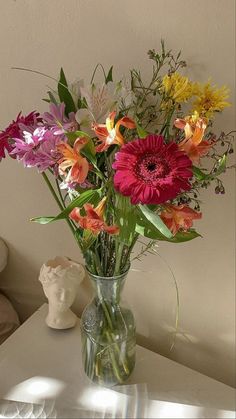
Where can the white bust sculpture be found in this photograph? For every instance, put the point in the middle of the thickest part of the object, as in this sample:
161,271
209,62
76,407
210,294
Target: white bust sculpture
60,279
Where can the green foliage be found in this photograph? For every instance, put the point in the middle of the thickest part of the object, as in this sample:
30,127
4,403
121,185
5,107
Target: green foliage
109,76
91,196
64,94
89,152
219,168
146,229
141,132
154,220
125,217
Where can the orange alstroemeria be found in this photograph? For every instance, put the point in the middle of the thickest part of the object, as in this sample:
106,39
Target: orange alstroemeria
195,152
193,144
72,159
93,220
179,217
109,133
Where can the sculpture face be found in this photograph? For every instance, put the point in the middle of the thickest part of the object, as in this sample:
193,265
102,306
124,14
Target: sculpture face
60,278
61,294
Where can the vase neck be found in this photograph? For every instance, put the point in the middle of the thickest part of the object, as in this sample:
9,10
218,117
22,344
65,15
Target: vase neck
108,288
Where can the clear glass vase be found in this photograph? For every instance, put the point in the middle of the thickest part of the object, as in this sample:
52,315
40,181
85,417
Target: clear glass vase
108,333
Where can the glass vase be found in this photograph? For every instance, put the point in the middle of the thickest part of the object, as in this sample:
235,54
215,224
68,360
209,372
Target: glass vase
108,333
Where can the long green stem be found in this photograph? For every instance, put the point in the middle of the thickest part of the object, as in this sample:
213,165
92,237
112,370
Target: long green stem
57,199
119,253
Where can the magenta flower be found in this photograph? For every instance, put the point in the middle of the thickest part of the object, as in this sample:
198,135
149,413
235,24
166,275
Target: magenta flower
15,130
57,121
150,171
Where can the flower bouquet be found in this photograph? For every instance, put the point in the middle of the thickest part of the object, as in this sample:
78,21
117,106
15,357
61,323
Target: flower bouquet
123,159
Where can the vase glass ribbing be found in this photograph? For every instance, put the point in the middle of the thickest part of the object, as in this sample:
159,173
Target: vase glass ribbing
108,333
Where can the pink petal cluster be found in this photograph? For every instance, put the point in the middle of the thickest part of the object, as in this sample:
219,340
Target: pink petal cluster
57,121
150,171
37,149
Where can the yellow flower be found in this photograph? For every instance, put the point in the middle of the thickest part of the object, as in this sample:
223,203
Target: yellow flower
177,87
210,99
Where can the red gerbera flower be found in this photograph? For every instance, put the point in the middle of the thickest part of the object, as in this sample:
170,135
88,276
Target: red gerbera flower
150,171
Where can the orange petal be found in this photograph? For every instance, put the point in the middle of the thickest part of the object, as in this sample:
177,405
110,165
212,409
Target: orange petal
111,229
127,122
91,212
75,215
100,131
79,144
199,131
79,170
66,150
180,123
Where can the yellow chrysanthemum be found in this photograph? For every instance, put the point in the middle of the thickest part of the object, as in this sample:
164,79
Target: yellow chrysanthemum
210,99
177,87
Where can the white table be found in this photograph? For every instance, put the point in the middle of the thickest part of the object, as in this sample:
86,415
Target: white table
41,375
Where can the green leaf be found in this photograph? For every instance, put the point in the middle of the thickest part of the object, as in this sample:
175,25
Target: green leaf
199,174
152,233
89,148
155,220
141,132
88,239
125,218
73,136
109,76
88,153
184,236
64,94
92,196
52,98
220,168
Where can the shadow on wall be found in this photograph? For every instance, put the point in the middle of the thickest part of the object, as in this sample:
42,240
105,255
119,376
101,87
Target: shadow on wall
19,282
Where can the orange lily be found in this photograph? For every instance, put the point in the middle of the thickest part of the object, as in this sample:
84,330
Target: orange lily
195,152
193,144
179,217
93,220
109,133
72,159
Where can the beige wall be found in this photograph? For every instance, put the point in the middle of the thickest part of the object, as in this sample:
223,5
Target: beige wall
45,34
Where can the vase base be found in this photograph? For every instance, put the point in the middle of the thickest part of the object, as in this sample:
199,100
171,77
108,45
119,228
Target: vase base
111,364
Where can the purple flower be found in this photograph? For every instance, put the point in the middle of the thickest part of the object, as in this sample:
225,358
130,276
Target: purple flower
47,154
38,149
24,149
57,121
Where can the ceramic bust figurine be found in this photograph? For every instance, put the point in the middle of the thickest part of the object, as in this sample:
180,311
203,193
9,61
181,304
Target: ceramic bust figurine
60,279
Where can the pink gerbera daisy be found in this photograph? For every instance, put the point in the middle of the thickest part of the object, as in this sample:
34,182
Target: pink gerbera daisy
150,171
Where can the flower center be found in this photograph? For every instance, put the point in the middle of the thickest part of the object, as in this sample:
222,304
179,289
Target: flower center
151,168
